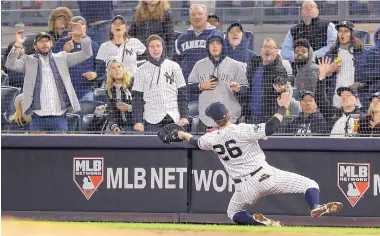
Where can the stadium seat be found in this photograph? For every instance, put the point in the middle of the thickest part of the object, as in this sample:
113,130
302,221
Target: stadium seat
194,124
249,36
193,109
100,94
86,121
8,95
88,107
73,121
363,35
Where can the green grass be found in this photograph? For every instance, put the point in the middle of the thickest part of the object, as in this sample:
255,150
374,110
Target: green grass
211,227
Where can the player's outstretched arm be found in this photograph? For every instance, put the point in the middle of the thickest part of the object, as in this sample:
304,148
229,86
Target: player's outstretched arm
274,123
189,138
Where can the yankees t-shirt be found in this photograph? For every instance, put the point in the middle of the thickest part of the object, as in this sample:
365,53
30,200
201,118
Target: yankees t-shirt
127,53
160,90
229,70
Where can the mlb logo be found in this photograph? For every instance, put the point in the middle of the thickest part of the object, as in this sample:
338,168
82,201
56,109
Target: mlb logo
353,180
88,174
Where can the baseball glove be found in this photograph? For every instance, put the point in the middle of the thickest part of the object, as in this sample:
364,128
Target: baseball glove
169,133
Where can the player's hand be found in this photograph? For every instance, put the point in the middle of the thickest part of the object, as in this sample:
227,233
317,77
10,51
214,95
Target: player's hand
76,30
122,106
139,127
68,47
235,86
324,67
116,131
90,75
208,84
181,135
283,100
19,41
184,122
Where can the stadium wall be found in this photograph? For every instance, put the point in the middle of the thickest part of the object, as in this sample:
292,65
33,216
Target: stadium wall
137,178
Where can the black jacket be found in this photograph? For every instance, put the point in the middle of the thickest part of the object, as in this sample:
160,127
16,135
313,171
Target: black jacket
269,95
314,123
114,116
143,29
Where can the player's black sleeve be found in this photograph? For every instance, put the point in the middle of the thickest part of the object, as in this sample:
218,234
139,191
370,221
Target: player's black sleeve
194,141
272,125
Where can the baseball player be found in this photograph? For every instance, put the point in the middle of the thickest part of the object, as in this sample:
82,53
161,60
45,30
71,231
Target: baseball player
238,149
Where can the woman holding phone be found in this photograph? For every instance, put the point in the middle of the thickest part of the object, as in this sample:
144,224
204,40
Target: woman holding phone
119,103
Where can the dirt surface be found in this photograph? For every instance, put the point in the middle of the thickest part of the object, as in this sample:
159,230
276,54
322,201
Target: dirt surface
16,228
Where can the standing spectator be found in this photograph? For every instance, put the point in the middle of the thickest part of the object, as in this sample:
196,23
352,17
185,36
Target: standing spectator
218,79
121,45
372,68
237,44
191,44
310,121
348,56
261,98
48,91
84,75
339,118
307,69
215,21
13,78
370,124
119,97
58,22
159,91
321,35
153,17
98,15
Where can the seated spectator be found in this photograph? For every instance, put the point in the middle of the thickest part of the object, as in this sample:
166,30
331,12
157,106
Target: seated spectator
261,98
372,70
310,121
217,78
320,34
13,78
237,44
159,91
22,121
348,56
191,44
97,15
58,23
339,118
122,46
84,75
214,20
119,103
307,70
370,124
153,17
48,91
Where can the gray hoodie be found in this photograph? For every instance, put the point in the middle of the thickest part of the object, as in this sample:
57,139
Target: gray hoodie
307,75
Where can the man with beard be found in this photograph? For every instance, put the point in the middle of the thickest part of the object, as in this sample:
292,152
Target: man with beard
217,78
307,70
48,91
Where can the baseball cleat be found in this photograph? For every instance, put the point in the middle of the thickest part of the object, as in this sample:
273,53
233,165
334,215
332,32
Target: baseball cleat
331,207
265,221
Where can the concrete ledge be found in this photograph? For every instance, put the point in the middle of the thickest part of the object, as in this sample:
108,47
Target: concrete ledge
187,218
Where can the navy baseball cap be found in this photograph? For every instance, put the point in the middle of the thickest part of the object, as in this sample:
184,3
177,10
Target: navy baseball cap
375,95
118,17
236,24
216,111
351,89
42,35
310,93
345,23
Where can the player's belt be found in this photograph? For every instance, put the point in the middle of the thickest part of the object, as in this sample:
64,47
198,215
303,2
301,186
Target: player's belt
251,174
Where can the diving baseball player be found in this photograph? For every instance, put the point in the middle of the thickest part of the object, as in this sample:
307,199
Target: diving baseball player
238,149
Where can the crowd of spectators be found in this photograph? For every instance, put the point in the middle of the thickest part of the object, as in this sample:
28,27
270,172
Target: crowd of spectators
149,76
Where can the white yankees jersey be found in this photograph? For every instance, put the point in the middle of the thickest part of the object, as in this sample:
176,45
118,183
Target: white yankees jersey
229,70
237,147
159,86
127,53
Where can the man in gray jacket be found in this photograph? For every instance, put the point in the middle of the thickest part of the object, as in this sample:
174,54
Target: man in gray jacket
307,70
48,91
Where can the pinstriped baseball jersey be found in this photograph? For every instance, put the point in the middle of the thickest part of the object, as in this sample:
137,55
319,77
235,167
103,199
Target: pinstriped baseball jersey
160,90
237,147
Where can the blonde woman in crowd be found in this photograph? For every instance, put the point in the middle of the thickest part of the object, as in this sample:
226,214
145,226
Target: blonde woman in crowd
119,106
121,46
153,17
370,124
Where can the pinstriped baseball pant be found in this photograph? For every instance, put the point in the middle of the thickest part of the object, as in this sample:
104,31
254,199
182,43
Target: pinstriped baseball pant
250,190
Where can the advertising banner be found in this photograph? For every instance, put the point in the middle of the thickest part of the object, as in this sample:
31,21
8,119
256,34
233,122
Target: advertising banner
94,180
349,177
